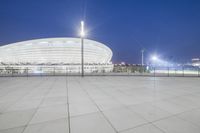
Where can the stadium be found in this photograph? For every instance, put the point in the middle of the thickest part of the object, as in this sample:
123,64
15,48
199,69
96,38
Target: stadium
60,54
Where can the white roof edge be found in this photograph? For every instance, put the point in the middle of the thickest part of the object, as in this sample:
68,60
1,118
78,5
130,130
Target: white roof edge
59,38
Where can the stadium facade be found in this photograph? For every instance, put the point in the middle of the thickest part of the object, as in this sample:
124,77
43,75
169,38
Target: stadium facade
62,54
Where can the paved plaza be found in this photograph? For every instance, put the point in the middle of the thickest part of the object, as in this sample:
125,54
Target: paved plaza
101,104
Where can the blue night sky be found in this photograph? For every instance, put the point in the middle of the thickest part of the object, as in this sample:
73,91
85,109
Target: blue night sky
170,28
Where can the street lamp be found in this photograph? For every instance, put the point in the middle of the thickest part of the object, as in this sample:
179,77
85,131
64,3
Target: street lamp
154,58
82,34
142,56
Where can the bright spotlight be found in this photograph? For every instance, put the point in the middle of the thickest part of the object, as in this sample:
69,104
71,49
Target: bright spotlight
154,58
82,29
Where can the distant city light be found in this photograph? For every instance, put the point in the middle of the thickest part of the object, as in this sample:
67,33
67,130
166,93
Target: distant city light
123,63
147,68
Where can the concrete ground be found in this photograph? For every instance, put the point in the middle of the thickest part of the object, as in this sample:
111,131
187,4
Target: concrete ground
104,104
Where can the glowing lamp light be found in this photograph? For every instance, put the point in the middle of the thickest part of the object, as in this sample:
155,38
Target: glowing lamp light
82,29
154,58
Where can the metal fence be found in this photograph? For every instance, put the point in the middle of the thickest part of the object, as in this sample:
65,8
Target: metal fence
181,71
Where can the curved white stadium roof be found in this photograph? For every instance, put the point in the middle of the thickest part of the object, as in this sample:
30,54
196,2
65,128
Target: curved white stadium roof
55,50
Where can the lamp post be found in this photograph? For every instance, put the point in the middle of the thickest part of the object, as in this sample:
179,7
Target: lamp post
82,48
142,57
154,59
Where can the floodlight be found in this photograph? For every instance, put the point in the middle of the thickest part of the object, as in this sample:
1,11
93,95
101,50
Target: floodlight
154,58
82,29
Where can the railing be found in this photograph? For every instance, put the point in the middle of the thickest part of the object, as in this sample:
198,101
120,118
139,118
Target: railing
120,71
176,72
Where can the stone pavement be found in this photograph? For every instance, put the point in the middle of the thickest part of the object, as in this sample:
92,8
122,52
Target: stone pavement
102,104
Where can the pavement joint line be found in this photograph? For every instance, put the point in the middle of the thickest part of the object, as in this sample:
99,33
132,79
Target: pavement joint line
34,124
47,121
98,107
158,127
68,110
12,128
193,123
139,126
15,87
84,114
87,90
125,106
36,86
50,88
173,115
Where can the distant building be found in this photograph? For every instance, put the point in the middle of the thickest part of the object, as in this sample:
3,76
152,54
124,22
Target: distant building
196,61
